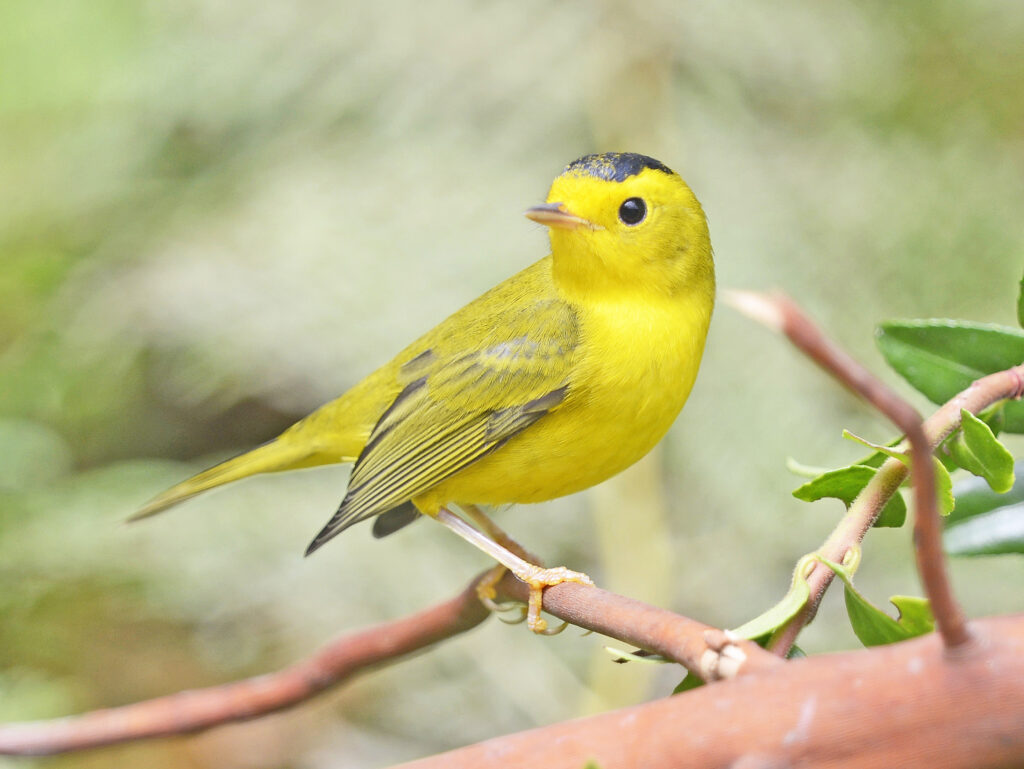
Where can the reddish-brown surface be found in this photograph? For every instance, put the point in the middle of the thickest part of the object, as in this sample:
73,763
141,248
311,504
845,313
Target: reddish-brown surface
953,699
191,711
656,629
906,705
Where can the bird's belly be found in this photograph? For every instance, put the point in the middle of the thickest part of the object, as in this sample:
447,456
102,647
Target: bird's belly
632,393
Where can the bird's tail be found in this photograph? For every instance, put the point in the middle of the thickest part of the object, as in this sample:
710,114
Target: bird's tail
271,457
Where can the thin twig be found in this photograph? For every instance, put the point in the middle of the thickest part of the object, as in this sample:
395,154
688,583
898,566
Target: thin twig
782,314
707,651
850,531
931,560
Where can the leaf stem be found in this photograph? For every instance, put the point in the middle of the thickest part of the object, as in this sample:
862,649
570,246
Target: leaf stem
782,314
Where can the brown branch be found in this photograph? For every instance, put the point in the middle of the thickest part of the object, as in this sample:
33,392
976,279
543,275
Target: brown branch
708,652
769,698
931,560
906,704
191,711
782,314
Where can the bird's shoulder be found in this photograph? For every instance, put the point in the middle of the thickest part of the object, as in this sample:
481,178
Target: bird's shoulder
487,373
521,327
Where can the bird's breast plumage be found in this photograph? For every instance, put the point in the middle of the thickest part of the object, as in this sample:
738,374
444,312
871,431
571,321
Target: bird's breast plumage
636,363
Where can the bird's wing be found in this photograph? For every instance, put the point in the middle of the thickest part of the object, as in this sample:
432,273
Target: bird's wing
458,406
386,524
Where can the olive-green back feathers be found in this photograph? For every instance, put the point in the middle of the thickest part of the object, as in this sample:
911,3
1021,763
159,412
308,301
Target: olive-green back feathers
460,406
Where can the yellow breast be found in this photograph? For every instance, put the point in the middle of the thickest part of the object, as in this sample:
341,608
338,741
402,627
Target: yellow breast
639,360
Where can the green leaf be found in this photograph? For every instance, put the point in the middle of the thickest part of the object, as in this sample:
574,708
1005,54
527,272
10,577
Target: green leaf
984,522
942,357
845,484
997,532
871,625
690,681
944,453
1020,304
978,451
944,484
974,497
915,614
877,458
804,471
784,610
995,417
621,656
943,488
888,450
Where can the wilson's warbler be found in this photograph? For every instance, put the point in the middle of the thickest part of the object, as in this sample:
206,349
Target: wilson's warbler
549,383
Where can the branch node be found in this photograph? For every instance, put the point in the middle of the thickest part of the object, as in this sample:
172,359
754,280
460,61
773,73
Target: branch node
931,564
723,658
1018,377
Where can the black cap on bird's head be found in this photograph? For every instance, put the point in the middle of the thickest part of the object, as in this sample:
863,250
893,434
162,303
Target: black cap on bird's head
619,220
614,166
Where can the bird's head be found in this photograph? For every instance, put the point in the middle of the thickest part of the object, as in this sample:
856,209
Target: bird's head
621,222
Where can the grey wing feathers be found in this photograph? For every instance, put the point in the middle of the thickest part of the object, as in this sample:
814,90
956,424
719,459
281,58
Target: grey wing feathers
419,441
394,519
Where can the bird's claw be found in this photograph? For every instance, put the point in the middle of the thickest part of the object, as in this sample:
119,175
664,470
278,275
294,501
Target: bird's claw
486,592
513,606
539,578
552,630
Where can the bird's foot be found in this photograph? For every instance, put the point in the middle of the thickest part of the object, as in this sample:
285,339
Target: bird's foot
536,577
539,578
486,592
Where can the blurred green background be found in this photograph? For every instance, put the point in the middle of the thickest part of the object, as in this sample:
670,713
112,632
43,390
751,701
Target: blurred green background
215,216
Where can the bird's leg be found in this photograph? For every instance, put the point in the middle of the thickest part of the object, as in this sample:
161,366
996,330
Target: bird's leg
495,532
535,576
486,588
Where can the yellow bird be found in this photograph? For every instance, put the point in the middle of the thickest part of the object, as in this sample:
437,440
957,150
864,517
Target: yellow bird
551,382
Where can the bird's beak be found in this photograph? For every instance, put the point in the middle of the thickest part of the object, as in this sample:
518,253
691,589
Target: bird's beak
557,215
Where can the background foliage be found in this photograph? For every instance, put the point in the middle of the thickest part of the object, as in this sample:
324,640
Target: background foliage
216,215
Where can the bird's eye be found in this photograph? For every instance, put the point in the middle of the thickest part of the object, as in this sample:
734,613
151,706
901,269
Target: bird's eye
633,211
